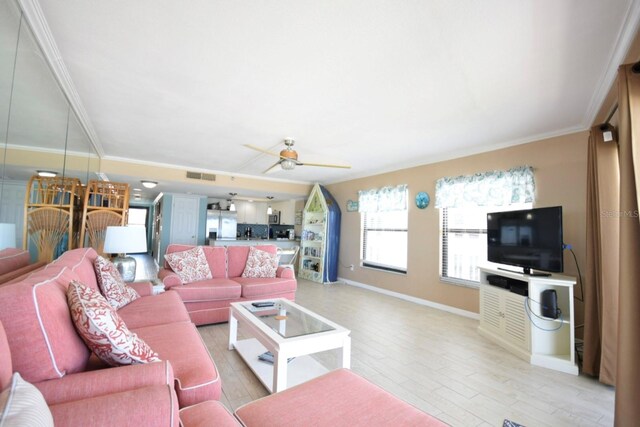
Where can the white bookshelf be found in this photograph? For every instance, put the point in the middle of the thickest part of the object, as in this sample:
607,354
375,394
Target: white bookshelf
516,323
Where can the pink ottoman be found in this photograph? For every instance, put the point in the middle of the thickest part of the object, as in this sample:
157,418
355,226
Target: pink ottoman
208,413
339,398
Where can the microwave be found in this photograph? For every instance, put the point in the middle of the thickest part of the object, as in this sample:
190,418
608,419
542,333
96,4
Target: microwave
274,219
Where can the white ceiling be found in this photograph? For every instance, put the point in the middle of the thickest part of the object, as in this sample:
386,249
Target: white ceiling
379,85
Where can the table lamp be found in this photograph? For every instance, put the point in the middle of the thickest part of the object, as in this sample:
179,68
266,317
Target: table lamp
124,240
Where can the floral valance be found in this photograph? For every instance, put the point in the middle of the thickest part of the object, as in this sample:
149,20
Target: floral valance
383,199
493,188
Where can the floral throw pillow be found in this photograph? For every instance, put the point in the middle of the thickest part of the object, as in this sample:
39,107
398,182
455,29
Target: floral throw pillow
102,329
190,265
111,284
260,264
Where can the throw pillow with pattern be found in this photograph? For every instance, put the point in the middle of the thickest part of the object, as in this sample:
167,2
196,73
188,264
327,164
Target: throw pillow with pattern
260,264
102,329
190,265
114,289
22,404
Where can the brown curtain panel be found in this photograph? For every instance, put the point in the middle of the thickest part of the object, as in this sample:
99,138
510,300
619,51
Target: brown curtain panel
628,370
601,278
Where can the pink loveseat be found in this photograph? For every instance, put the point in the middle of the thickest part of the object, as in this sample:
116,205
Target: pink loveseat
48,352
208,301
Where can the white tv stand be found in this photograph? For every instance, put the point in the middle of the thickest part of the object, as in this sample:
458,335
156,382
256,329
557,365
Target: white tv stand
503,319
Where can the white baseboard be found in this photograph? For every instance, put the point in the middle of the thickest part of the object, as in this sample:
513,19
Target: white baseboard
415,300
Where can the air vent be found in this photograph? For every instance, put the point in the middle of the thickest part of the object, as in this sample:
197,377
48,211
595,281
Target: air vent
201,176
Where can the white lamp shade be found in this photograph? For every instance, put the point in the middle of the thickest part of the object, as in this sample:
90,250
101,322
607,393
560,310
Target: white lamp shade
7,236
125,240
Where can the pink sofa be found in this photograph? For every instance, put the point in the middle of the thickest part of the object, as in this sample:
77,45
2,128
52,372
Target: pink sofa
208,301
15,263
130,395
48,352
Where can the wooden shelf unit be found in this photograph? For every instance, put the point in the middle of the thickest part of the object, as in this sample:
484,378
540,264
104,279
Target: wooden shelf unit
105,204
52,211
320,239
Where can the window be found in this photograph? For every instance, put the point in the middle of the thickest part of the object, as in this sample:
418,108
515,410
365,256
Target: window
138,216
384,240
463,241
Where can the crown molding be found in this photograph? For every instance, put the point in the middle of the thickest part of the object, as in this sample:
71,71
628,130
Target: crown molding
626,36
43,37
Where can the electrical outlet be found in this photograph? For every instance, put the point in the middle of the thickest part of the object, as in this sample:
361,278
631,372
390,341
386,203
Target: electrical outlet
351,267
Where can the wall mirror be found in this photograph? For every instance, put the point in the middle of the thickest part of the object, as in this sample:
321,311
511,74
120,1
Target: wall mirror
38,129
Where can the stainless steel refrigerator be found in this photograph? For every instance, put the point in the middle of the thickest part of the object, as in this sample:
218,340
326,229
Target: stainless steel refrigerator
221,225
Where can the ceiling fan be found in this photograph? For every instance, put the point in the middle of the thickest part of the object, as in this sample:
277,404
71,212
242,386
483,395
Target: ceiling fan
288,158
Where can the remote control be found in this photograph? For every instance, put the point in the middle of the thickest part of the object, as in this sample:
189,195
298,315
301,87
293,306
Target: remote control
263,304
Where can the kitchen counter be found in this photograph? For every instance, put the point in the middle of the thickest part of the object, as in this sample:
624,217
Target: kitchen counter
255,242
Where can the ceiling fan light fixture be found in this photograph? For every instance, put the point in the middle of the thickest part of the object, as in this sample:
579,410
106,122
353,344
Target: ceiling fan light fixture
149,184
288,164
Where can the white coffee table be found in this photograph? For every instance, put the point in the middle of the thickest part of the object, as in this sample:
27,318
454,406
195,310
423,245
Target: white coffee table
286,330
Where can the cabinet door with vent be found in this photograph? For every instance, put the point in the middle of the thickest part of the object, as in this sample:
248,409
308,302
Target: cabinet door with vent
517,328
503,313
491,313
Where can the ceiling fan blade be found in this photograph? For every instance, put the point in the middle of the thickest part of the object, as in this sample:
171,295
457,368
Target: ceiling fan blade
262,150
273,167
324,165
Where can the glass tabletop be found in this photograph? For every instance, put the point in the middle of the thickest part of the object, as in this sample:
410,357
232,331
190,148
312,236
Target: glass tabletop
287,320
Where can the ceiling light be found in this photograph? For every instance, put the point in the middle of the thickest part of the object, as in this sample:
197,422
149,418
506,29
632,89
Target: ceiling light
288,164
136,189
103,176
47,174
232,206
149,184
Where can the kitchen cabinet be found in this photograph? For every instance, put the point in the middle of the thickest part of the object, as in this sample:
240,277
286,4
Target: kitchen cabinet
251,212
261,213
287,209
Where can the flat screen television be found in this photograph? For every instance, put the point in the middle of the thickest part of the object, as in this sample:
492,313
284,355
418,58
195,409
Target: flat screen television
530,238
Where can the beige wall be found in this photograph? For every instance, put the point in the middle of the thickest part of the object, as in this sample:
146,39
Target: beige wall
560,168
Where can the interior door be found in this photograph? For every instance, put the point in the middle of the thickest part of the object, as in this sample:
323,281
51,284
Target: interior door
184,220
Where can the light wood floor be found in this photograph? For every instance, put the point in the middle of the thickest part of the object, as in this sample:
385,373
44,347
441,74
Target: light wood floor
433,360
429,358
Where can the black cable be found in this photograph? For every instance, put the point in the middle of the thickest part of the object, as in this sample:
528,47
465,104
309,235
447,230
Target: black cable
529,312
558,312
581,299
